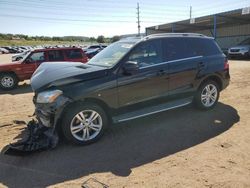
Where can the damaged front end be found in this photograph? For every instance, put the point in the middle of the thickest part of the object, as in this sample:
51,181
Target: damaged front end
42,132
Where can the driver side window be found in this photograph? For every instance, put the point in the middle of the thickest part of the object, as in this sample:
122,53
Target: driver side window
147,53
37,56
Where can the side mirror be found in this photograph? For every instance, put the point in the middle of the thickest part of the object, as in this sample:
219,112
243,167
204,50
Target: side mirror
130,67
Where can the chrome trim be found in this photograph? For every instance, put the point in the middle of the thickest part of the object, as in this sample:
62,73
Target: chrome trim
183,59
150,113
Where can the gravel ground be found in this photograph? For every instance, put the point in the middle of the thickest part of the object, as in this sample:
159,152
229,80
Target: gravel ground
178,148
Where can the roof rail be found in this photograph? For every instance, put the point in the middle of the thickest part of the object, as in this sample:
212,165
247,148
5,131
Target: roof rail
176,34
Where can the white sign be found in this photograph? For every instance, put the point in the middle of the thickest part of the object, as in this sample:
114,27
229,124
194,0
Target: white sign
245,10
192,20
157,27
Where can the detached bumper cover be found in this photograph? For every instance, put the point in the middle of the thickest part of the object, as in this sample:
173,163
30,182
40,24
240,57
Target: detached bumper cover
39,138
42,132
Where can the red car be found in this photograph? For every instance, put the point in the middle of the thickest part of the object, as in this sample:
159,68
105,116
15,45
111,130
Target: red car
12,73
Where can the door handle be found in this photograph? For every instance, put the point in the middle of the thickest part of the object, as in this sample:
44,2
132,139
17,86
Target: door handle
201,65
161,72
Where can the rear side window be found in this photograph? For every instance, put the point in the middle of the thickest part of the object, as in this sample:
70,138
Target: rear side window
179,48
176,48
147,53
74,54
204,47
55,55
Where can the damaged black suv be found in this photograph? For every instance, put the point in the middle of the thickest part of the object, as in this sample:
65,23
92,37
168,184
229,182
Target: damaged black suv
129,79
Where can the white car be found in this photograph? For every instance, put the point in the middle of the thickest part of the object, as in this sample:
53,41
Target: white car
3,51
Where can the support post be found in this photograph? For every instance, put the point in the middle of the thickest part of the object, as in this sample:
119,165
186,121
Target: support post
215,29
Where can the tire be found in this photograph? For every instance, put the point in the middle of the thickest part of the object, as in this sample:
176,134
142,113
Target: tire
8,81
210,93
76,131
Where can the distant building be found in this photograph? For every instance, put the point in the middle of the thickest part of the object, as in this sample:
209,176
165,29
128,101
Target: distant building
228,28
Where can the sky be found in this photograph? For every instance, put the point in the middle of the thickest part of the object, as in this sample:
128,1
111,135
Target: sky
92,18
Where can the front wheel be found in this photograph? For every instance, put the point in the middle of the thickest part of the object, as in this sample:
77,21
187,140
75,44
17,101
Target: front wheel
207,95
8,81
84,124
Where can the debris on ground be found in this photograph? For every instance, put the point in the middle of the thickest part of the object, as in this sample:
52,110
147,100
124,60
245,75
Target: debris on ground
39,138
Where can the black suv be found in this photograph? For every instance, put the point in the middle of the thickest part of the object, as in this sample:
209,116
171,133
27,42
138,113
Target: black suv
129,79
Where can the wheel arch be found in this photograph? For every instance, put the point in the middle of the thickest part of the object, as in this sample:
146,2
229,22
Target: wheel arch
10,72
99,102
215,78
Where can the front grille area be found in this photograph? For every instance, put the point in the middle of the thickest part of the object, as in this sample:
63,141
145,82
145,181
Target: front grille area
234,50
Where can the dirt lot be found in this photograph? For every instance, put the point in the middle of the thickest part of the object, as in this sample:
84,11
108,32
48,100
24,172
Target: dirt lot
179,148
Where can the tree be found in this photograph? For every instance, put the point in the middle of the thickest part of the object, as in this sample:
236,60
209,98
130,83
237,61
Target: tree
100,39
115,38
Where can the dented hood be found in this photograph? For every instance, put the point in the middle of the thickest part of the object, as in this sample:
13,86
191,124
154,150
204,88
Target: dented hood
60,73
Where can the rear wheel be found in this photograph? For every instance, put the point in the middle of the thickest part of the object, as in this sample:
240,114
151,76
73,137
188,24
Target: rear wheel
8,81
207,95
84,124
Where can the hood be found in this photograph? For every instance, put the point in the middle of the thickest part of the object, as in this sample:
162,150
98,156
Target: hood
240,46
61,73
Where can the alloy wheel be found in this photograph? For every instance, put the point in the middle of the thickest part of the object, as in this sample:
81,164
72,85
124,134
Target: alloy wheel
209,95
86,125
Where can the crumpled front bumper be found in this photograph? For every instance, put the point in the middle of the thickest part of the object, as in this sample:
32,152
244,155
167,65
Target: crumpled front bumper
42,132
48,114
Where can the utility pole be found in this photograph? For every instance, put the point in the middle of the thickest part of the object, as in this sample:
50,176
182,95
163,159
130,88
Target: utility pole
138,19
190,13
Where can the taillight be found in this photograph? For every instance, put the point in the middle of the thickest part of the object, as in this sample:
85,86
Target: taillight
226,64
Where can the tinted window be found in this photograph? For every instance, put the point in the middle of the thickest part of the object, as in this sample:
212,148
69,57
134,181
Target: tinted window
179,48
55,55
37,56
74,54
147,53
204,47
176,48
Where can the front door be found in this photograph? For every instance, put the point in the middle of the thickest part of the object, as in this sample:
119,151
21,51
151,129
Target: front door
150,81
31,63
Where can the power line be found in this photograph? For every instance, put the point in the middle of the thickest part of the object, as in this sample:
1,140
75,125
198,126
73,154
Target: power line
74,20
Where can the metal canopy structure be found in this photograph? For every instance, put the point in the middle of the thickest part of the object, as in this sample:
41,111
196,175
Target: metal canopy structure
209,23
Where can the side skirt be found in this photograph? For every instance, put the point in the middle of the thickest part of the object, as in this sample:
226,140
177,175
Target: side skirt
152,110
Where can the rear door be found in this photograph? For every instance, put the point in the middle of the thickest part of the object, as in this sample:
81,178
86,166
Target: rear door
55,55
184,65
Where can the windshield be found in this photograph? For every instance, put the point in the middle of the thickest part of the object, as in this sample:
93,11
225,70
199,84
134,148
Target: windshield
245,42
111,54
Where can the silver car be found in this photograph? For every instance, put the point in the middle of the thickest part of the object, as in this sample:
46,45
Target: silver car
241,50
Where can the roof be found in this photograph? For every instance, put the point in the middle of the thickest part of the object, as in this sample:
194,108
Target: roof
176,35
51,49
224,19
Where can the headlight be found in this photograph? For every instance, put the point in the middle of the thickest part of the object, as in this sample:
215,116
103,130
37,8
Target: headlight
48,96
244,49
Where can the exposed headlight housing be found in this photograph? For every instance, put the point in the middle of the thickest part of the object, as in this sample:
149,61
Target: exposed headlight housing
48,96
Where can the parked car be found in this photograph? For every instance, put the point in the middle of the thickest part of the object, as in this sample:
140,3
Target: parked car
20,56
12,73
242,50
3,51
127,80
10,49
93,47
91,53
